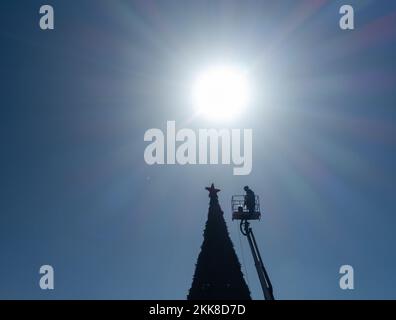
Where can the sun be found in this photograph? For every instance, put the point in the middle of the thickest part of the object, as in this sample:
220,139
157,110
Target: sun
221,92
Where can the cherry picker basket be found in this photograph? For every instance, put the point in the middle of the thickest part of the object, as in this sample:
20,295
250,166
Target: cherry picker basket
241,212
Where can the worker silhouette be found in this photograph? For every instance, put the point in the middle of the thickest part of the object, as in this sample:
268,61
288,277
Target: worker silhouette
250,199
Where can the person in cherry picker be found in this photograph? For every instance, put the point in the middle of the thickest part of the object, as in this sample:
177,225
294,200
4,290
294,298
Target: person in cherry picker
250,199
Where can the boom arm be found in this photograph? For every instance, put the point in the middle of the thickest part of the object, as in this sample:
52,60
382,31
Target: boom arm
262,273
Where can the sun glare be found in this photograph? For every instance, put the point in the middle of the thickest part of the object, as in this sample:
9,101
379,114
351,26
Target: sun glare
221,93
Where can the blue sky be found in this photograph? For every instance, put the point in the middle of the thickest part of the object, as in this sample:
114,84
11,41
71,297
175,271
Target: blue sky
76,102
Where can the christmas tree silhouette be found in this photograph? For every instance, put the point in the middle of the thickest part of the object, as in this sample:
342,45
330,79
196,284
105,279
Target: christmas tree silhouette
218,272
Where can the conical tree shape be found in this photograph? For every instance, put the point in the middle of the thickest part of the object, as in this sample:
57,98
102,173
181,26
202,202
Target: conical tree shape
218,272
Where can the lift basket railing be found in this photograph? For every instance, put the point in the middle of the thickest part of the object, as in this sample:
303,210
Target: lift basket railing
241,212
